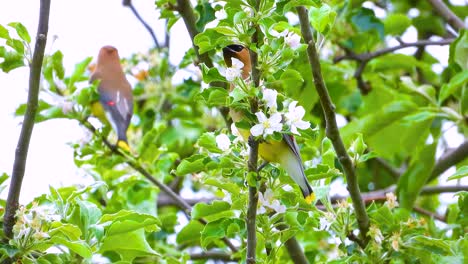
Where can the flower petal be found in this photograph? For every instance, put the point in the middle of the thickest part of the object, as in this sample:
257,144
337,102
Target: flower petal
257,130
261,117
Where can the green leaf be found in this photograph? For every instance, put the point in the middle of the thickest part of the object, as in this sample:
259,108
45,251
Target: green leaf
21,31
450,88
126,221
17,45
79,247
215,96
460,173
208,141
206,15
213,211
291,78
365,20
128,245
192,164
78,73
322,18
11,60
415,177
459,50
396,24
4,33
190,234
237,94
211,74
328,153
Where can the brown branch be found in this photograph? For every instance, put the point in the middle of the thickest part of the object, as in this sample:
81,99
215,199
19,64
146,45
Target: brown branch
253,160
332,131
448,159
214,255
186,11
429,190
21,152
365,57
447,14
429,213
294,249
128,3
178,201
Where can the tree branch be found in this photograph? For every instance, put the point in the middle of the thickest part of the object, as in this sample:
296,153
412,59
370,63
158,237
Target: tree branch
179,201
214,255
364,58
447,14
128,3
449,159
253,159
332,131
294,249
186,11
21,153
429,213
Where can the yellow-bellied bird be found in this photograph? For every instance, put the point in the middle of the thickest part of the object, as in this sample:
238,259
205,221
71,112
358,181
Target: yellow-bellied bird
285,152
115,94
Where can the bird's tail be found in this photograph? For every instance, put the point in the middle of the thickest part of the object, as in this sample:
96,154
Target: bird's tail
123,145
295,169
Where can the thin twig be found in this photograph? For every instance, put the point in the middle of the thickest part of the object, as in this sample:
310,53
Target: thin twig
179,201
448,159
447,14
21,153
332,131
364,58
429,213
129,4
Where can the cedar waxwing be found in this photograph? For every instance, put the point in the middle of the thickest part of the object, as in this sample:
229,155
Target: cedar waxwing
115,93
285,152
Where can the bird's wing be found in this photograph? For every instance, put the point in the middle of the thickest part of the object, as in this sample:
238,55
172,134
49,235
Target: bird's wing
291,142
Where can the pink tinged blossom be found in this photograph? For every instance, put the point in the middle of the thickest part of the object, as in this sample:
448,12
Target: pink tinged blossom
293,40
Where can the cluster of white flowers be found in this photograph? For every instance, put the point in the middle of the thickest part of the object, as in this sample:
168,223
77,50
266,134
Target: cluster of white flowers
31,223
269,125
290,38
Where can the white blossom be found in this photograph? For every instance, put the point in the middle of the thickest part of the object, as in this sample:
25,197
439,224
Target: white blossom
275,33
391,200
221,14
326,221
269,96
376,234
235,71
235,132
267,126
223,142
293,40
267,199
294,118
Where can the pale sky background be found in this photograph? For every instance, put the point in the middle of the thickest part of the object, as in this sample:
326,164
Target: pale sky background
82,27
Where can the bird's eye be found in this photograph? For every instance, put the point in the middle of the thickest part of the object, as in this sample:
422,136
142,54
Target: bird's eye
236,47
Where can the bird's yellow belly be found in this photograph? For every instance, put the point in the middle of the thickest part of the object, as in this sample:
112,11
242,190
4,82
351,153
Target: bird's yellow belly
269,151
